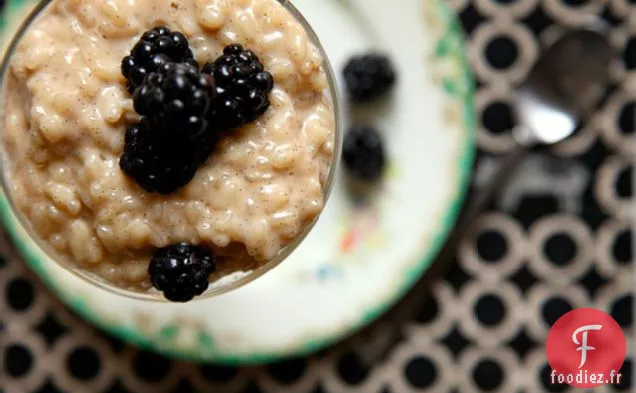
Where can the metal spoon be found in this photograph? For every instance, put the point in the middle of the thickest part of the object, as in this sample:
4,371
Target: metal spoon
565,85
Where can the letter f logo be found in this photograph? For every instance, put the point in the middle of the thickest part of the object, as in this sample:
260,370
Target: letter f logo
584,347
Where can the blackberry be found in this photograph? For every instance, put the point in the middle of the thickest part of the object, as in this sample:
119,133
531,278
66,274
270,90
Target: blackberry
156,48
368,76
181,271
363,153
175,100
242,87
156,164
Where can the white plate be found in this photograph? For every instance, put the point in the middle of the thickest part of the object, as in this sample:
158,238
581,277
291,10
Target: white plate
358,261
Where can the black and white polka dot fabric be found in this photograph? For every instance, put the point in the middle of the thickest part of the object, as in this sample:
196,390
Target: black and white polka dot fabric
558,237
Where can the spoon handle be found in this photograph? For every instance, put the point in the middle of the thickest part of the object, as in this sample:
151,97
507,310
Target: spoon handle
480,201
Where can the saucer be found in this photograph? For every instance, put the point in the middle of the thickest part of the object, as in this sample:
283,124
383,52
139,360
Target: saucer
361,257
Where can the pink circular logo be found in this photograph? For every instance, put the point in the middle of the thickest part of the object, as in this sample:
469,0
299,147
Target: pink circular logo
585,349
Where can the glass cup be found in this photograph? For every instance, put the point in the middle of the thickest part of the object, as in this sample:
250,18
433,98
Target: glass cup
40,253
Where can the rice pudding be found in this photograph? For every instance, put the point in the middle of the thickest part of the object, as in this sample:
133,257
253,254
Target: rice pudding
67,109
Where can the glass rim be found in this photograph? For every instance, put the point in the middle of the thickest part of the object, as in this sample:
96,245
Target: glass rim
152,294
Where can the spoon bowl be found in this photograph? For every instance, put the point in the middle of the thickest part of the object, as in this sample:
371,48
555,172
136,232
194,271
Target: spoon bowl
565,84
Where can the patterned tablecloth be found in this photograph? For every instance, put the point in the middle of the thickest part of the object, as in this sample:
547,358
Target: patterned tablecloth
559,237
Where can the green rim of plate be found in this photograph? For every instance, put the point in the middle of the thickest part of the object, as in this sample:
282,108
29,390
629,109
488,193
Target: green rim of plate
451,46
